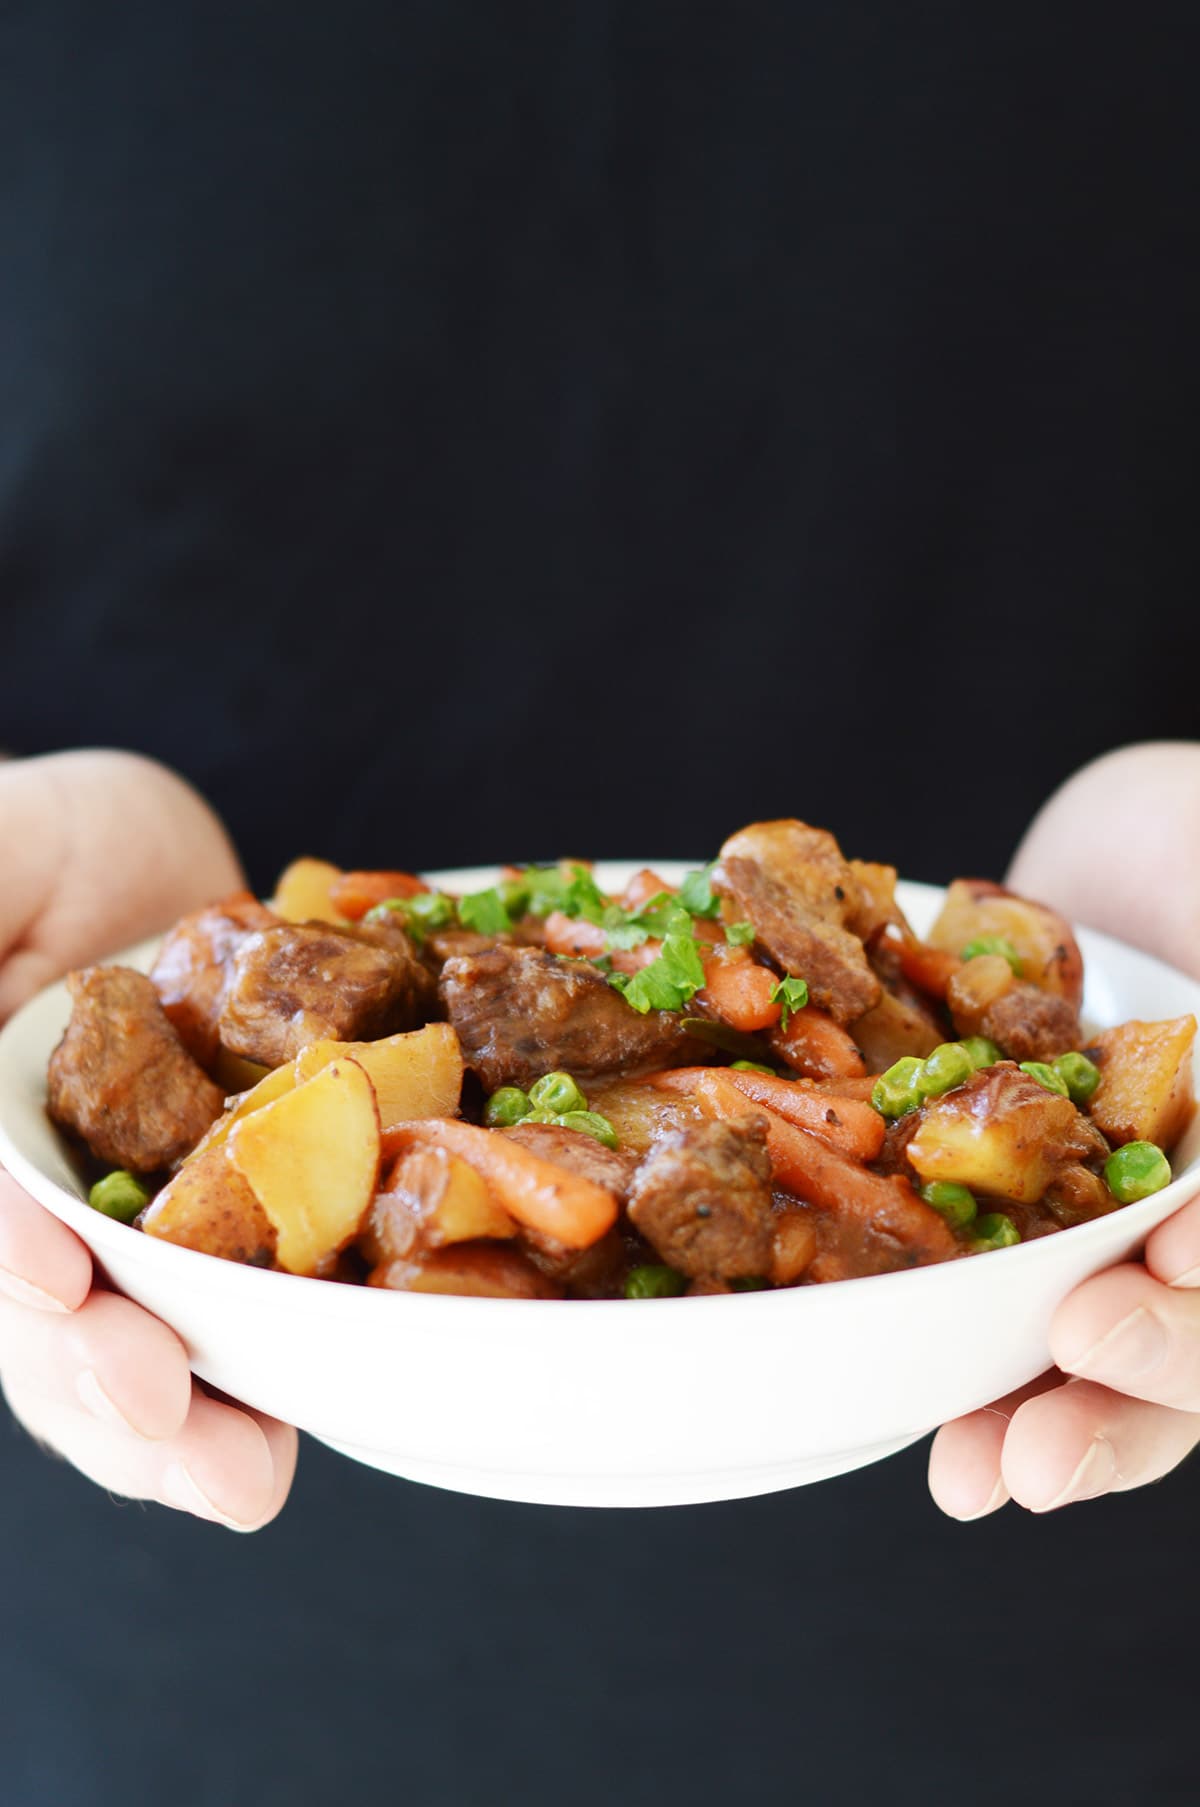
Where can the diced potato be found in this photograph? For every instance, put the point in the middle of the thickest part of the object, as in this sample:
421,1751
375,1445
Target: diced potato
894,1029
273,1086
1146,1091
640,1114
1002,1134
210,1207
414,1075
312,1159
303,892
1050,956
975,987
478,1270
432,1198
235,1075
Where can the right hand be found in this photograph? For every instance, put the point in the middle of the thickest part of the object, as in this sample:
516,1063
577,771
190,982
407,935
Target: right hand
100,850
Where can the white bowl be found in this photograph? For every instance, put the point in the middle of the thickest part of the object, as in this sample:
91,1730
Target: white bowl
611,1402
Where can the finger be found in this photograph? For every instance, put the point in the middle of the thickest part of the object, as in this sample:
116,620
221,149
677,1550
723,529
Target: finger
1173,1251
964,1461
1126,1331
122,1365
41,1263
227,1465
1081,1440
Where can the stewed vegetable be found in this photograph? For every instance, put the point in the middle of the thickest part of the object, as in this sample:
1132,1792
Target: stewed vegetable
759,1078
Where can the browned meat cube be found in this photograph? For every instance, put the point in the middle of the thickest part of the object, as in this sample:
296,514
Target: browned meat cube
305,982
702,1197
592,1272
792,883
194,964
521,1012
986,998
122,1080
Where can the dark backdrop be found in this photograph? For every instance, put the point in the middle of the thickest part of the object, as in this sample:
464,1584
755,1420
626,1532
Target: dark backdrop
450,432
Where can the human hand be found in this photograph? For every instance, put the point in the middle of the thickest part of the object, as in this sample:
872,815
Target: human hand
1122,1406
100,850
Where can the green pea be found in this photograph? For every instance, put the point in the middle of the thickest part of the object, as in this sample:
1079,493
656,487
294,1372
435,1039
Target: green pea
654,1283
751,1066
589,1123
750,1283
1136,1171
994,1231
949,1065
952,1202
542,1117
119,1195
895,1092
507,1106
557,1092
1053,1082
993,944
983,1052
1080,1075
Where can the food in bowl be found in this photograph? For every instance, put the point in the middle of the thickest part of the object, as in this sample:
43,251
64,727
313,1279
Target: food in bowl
759,1078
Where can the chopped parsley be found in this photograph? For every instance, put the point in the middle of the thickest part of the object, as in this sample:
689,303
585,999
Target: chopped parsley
673,979
485,912
697,895
421,915
739,934
790,995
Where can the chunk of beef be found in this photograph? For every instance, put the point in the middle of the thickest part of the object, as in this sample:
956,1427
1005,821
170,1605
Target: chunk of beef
792,883
521,1012
1031,1024
702,1197
304,982
122,1080
192,972
391,935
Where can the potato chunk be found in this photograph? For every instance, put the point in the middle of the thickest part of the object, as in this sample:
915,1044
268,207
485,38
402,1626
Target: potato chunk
1002,1134
418,1074
312,1160
303,893
1146,1091
432,1198
1050,957
208,1206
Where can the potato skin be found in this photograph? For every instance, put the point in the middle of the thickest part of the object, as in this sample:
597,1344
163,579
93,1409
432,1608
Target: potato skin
209,1207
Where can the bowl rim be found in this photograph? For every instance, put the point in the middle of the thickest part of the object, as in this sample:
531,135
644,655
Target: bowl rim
335,1299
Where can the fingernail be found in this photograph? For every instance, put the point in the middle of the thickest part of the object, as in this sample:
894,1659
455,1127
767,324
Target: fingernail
1190,1278
1131,1350
100,1404
1094,1475
181,1488
26,1293
995,1499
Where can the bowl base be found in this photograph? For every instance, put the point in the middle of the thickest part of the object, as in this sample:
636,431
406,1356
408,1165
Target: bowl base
603,1490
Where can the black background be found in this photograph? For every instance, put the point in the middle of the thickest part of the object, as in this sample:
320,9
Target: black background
449,433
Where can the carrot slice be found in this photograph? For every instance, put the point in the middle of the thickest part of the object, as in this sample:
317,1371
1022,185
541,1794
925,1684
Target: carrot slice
642,887
357,892
812,1170
851,1127
566,936
929,968
573,1210
737,990
817,1047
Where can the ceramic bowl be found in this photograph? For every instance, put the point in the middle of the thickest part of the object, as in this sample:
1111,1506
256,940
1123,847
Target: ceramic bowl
609,1403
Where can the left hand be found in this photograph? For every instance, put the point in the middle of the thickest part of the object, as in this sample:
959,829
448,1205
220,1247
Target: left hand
1123,1406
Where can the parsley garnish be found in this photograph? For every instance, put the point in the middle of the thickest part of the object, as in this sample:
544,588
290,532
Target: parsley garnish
739,934
790,994
421,915
696,893
485,912
673,979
